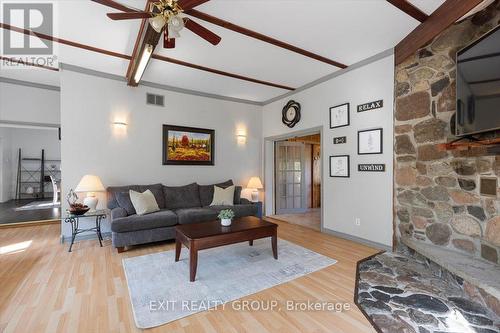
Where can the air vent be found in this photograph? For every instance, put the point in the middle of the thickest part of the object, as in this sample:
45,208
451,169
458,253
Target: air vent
153,99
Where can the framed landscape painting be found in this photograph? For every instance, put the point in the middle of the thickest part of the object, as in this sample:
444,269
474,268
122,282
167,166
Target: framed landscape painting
188,145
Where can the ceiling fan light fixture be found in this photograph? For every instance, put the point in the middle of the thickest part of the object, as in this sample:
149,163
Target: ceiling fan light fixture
175,25
157,23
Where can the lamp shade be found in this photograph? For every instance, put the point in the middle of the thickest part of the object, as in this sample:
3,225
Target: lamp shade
255,183
90,183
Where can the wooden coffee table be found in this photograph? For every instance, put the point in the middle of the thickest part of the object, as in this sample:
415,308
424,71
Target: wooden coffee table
206,235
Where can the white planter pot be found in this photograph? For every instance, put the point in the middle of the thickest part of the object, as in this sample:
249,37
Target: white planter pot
225,222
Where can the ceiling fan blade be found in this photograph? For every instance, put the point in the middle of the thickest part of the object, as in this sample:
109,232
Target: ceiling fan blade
129,16
168,43
189,4
201,31
116,5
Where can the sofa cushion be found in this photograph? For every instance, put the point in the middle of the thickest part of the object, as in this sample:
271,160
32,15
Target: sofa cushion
123,199
178,197
207,192
195,215
118,212
113,190
162,218
237,195
239,210
156,189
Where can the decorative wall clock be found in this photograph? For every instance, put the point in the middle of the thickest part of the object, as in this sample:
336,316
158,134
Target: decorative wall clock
291,114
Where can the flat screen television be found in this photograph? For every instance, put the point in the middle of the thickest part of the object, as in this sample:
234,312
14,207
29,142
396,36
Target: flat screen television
478,86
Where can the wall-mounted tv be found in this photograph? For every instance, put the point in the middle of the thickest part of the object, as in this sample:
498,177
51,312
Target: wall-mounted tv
478,86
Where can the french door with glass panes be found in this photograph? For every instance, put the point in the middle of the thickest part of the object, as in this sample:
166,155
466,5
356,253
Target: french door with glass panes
290,182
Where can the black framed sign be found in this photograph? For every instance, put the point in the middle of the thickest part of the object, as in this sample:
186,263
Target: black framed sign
339,166
188,145
371,167
371,105
339,116
340,140
370,141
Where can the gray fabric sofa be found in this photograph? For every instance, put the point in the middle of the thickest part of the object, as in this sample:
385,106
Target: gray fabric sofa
178,205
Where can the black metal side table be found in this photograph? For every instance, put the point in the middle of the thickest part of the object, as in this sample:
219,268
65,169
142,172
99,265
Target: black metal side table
75,230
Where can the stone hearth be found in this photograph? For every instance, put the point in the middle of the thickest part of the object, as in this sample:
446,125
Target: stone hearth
401,293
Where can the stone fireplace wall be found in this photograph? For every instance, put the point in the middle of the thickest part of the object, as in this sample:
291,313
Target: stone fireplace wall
437,196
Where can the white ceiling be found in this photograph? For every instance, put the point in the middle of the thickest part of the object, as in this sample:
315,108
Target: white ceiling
343,30
427,6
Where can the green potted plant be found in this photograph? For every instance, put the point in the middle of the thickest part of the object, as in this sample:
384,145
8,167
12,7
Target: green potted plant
225,216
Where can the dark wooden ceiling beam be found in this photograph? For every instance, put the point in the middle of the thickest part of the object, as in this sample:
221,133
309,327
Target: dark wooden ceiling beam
216,71
151,37
409,9
443,17
137,44
127,57
261,37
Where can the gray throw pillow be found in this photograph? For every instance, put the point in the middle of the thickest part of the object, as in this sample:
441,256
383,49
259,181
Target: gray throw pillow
124,201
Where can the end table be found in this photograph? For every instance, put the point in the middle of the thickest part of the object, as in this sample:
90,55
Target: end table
99,215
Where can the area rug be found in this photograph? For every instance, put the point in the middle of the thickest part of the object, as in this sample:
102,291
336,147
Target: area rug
35,205
160,290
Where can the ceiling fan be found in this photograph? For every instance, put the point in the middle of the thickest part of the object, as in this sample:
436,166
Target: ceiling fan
167,16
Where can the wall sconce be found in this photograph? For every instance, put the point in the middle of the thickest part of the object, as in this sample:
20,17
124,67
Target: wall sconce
119,129
241,137
120,124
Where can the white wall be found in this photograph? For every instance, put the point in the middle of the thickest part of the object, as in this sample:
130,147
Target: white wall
29,104
91,145
367,196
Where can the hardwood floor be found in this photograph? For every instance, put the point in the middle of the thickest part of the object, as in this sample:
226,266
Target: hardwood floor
8,213
46,289
311,218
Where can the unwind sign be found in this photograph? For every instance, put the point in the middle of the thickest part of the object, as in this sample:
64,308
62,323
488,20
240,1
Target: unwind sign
371,167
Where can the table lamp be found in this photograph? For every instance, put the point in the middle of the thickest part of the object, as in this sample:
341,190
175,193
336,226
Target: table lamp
255,184
90,184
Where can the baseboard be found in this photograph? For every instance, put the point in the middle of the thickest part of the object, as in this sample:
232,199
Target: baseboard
81,237
28,224
357,239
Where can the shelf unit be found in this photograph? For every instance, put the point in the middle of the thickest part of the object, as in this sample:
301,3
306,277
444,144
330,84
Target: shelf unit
461,144
33,176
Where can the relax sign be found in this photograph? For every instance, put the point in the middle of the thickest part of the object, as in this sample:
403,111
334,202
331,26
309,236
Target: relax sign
371,105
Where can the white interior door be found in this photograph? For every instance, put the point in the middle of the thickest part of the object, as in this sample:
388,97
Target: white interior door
290,181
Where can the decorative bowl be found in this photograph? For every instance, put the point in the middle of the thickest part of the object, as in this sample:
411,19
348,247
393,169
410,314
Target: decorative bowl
79,210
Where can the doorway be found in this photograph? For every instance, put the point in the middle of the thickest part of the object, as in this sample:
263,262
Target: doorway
30,174
298,180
